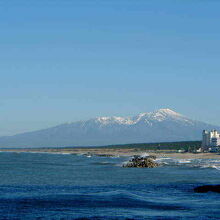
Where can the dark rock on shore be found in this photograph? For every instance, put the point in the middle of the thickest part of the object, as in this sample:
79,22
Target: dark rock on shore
141,162
207,188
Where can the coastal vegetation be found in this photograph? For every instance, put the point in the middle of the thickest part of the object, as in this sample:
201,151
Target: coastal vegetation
188,146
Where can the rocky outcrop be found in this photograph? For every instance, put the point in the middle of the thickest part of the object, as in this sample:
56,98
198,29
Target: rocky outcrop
207,188
142,162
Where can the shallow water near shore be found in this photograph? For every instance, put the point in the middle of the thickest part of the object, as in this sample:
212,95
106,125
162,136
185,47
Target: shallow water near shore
65,186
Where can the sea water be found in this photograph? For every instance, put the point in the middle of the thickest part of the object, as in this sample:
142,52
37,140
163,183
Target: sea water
65,186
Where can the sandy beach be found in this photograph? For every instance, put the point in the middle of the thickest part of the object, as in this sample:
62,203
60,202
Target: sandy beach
108,152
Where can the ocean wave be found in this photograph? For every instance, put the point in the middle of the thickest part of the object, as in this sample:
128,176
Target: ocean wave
184,161
110,199
195,163
103,163
210,166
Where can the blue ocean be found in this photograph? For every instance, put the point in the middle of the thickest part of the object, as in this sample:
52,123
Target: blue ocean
65,186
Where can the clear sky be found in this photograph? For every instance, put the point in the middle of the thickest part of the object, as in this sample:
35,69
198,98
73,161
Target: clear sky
66,60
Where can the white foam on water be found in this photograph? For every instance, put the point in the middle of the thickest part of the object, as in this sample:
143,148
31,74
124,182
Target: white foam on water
183,161
144,155
210,166
216,167
196,163
65,153
215,161
161,159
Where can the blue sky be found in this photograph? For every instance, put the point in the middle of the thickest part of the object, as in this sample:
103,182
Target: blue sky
62,61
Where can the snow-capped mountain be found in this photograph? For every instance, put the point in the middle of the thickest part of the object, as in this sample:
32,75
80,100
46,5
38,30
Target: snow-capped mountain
158,126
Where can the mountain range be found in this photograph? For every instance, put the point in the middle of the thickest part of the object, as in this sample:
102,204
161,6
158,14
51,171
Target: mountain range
158,126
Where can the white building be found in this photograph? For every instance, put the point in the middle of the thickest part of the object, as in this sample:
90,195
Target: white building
210,139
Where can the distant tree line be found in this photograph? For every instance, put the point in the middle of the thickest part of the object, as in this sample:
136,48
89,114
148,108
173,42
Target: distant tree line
190,146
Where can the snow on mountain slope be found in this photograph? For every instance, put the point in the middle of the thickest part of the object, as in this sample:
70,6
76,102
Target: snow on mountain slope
160,115
161,125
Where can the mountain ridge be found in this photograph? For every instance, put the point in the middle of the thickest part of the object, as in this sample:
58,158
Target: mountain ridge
158,126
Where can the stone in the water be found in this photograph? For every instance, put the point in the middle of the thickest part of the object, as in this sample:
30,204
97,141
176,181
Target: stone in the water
140,162
207,188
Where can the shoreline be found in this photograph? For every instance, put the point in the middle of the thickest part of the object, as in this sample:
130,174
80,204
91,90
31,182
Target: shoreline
119,152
